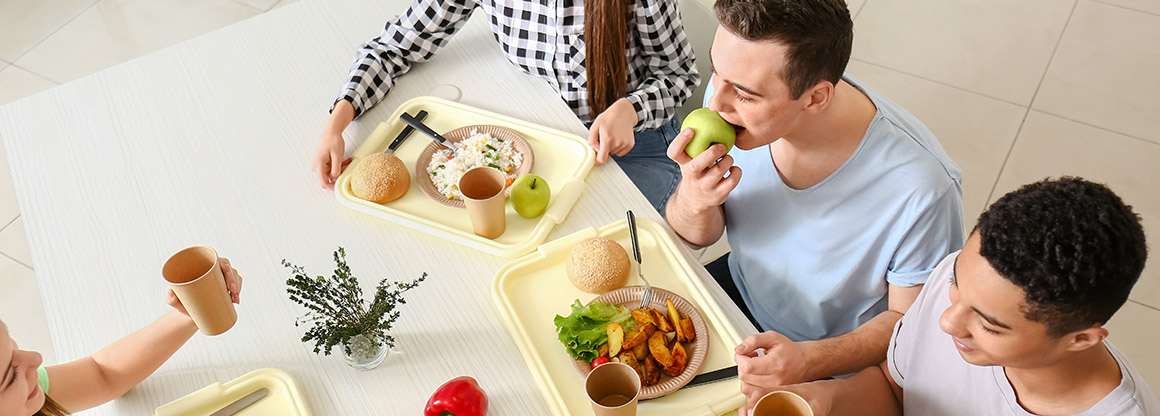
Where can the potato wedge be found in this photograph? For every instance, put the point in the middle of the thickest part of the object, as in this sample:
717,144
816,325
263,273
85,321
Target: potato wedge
662,323
602,351
648,330
675,318
640,351
685,330
680,360
660,351
615,338
670,336
637,336
652,371
627,357
643,316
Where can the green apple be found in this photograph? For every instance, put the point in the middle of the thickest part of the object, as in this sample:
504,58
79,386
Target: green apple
530,195
708,129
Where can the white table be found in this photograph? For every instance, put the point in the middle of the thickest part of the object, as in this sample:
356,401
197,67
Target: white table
208,142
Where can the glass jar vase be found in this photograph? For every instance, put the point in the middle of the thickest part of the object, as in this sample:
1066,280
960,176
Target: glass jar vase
366,352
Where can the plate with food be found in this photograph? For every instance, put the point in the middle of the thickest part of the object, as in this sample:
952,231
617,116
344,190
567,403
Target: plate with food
438,168
665,342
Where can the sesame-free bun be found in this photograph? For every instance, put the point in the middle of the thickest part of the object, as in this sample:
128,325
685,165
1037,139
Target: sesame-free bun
380,178
598,265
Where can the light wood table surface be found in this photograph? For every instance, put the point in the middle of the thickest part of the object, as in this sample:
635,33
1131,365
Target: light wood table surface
208,142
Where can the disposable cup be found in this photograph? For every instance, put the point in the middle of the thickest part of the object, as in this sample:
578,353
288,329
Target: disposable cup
613,389
484,197
196,277
782,403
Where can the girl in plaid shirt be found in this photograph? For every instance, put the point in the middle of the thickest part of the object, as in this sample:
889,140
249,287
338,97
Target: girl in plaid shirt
626,83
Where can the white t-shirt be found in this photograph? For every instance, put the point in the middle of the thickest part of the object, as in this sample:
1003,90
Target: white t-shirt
814,263
937,381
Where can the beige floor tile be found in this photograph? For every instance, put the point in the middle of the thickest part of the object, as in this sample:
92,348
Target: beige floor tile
25,23
1052,146
114,31
975,130
16,83
14,243
997,48
1133,331
283,3
1148,6
855,6
8,207
260,5
21,310
1104,71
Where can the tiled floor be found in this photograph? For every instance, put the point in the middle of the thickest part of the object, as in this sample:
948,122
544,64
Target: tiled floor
1016,91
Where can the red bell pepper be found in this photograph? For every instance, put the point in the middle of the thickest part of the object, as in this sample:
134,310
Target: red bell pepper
460,396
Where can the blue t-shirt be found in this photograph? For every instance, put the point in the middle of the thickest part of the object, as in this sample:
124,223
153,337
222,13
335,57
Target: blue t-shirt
815,263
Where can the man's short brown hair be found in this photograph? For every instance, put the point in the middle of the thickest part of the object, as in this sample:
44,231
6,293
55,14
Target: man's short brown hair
817,33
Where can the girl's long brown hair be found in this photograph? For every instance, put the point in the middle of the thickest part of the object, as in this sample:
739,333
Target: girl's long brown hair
605,38
51,408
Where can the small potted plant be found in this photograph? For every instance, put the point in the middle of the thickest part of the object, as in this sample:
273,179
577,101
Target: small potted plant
339,315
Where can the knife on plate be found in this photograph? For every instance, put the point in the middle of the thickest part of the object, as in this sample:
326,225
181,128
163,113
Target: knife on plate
718,375
242,403
418,125
406,132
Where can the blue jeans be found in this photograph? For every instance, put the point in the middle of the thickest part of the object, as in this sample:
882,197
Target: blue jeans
648,164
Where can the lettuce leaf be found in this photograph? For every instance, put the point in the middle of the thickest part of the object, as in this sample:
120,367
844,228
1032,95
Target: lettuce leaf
582,332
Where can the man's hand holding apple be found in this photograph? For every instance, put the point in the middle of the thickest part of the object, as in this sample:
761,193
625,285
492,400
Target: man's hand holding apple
707,179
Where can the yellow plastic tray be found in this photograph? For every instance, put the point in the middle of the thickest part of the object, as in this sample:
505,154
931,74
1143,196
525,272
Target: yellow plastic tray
283,398
533,289
562,159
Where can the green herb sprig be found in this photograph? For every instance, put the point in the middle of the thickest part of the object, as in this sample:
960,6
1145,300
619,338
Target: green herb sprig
336,309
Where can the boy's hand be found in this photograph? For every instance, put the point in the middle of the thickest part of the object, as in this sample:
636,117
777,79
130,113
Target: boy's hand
784,363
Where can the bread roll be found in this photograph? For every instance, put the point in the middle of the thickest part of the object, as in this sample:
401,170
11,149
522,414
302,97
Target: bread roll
598,265
380,178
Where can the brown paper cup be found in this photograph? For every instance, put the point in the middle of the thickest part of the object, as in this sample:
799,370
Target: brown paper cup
782,403
484,198
613,389
196,277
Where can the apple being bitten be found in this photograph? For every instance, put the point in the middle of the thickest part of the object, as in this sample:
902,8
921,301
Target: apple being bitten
530,195
708,129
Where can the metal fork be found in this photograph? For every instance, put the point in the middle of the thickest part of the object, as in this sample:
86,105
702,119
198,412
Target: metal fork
646,297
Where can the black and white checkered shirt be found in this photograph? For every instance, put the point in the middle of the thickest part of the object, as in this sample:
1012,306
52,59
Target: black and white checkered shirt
544,38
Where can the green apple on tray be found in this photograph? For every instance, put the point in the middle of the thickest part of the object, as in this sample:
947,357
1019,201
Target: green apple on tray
530,195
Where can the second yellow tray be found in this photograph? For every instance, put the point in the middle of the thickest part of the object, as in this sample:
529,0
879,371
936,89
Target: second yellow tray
562,159
533,289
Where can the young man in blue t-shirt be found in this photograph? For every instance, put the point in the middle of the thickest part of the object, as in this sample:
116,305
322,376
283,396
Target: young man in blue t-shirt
839,203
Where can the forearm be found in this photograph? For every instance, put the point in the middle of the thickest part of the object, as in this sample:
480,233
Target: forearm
340,117
866,393
699,227
851,352
112,371
671,73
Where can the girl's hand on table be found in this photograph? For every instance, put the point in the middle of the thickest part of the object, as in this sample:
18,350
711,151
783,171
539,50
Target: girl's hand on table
328,160
611,132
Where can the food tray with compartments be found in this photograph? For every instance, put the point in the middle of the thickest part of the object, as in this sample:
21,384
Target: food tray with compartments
562,159
531,290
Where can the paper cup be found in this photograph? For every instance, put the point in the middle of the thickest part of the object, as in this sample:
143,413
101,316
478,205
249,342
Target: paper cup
196,277
782,403
484,197
613,389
